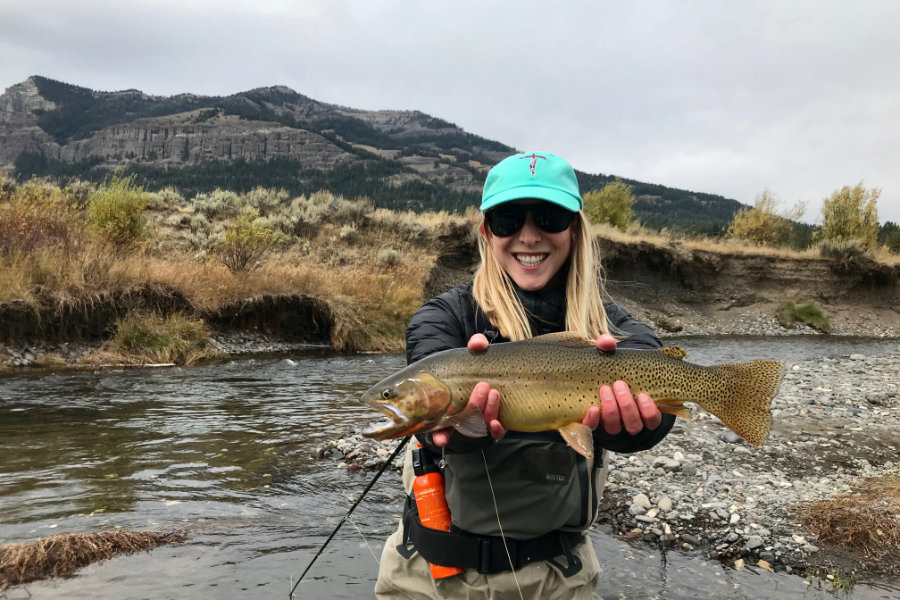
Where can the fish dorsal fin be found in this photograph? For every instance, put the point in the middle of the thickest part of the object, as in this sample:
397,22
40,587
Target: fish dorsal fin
674,352
569,338
578,436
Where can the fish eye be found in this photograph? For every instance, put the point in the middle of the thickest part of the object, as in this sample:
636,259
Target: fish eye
387,394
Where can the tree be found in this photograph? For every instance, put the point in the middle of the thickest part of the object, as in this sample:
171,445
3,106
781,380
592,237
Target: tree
610,204
890,236
851,214
762,224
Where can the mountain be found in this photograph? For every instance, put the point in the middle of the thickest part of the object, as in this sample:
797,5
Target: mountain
276,137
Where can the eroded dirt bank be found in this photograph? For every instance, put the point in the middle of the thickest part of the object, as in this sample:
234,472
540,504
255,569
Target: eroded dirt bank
674,288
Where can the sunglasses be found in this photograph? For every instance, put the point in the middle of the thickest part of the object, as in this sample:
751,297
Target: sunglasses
508,219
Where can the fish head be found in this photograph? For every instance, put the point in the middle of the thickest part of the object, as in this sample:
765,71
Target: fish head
414,403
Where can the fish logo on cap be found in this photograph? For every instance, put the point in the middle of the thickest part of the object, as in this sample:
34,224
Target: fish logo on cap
533,164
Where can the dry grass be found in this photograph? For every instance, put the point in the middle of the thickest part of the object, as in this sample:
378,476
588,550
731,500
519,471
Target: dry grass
62,554
866,520
369,265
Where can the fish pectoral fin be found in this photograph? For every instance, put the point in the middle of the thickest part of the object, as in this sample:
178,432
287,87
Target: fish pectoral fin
674,352
679,410
579,437
468,422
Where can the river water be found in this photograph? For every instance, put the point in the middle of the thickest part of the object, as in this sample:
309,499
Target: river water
221,452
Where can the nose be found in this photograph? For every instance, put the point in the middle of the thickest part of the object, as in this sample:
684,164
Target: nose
530,233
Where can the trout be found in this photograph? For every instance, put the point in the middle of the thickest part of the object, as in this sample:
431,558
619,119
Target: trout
550,381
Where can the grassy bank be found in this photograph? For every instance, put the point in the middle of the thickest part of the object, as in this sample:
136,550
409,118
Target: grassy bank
57,250
71,248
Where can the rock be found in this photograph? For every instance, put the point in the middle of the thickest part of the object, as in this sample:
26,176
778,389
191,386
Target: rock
667,464
755,543
664,504
642,500
730,437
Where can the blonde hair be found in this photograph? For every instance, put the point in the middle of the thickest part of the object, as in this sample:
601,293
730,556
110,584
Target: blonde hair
496,294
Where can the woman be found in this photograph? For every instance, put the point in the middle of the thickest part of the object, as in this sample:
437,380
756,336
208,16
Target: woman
520,503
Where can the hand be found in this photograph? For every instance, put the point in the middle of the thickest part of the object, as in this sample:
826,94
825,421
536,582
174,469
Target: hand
486,399
618,407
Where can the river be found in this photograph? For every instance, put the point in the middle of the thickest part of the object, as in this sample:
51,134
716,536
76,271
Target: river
221,452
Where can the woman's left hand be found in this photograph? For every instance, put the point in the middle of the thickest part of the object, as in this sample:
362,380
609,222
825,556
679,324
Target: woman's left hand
618,407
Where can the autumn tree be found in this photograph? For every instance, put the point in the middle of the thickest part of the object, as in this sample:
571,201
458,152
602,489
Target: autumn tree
851,214
762,224
610,204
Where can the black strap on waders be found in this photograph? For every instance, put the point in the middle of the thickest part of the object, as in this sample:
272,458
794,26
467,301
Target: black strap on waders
486,554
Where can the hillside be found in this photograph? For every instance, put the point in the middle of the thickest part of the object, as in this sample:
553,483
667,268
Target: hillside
276,137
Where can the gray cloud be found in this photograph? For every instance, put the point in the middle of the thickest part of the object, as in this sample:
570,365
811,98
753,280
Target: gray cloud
801,98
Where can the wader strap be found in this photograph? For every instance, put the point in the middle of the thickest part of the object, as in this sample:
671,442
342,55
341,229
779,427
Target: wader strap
486,554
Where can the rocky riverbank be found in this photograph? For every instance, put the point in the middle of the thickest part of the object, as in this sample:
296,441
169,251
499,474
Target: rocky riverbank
705,490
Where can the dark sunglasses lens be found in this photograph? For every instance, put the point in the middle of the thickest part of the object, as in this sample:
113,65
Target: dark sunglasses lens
552,219
507,221
504,223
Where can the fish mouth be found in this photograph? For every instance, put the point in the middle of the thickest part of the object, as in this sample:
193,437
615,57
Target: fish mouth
398,425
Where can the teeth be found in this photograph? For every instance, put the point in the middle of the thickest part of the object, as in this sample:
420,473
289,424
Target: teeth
530,260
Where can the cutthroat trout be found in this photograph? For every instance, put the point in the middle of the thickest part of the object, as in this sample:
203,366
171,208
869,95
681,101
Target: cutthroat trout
550,382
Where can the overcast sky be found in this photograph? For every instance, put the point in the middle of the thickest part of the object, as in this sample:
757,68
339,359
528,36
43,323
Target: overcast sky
798,97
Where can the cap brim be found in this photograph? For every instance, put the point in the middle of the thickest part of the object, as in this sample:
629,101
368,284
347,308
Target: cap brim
538,192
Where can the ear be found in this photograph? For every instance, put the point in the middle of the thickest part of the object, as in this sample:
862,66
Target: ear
483,231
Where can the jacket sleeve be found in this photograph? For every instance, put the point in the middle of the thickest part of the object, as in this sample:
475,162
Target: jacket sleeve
435,327
637,336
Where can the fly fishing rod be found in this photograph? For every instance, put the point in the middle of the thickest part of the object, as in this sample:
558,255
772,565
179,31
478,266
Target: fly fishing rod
349,512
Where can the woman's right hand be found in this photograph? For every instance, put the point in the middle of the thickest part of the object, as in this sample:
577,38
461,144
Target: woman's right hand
486,399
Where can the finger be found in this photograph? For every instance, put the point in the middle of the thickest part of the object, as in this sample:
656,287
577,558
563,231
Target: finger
628,409
479,396
609,411
491,410
592,418
497,430
649,411
441,437
478,343
605,342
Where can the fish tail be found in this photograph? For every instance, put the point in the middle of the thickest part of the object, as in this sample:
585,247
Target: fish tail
744,407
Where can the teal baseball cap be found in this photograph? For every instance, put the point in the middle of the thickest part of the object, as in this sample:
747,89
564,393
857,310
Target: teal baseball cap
540,175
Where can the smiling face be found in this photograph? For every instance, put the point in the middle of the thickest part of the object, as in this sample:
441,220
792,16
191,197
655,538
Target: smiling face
531,256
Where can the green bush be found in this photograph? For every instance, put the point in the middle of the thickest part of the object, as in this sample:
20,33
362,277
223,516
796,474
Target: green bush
247,242
153,338
610,204
116,211
809,313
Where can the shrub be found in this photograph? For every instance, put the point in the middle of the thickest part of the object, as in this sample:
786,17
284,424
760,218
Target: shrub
388,257
38,216
153,338
851,214
809,313
7,187
356,212
266,199
199,222
762,224
247,242
115,211
219,203
610,204
349,234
